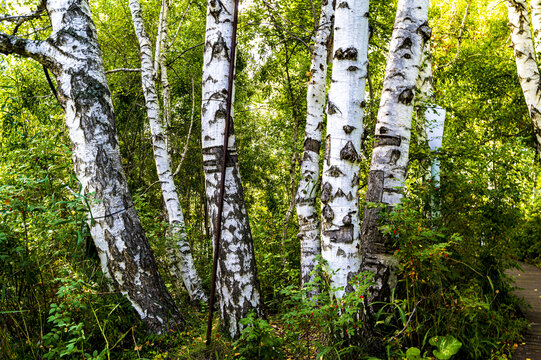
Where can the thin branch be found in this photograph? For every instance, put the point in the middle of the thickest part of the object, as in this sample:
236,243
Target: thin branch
189,133
180,24
184,52
122,70
459,39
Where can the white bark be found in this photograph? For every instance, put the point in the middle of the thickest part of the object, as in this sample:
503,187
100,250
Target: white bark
179,253
528,72
72,53
393,131
315,103
340,228
536,24
237,284
162,37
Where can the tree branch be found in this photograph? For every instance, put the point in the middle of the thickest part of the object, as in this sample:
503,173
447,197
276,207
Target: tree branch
122,70
41,51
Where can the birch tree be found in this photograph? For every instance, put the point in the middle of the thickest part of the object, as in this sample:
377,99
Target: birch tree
340,228
237,283
306,193
179,253
525,58
73,54
392,138
430,117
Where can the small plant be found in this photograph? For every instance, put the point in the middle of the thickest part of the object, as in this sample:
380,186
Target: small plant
257,340
447,346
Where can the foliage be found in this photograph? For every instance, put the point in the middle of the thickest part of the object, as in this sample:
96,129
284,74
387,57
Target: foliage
453,240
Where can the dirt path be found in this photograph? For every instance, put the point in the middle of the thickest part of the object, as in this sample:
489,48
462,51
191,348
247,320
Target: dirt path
528,283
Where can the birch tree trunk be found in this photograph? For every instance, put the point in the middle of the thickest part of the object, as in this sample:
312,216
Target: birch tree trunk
237,283
528,72
430,117
391,147
73,54
536,24
179,253
315,104
340,228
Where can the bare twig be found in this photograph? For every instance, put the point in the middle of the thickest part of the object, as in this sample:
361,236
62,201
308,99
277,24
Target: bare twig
180,24
459,39
122,70
189,134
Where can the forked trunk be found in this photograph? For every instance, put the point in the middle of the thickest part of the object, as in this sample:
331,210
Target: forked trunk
315,103
237,284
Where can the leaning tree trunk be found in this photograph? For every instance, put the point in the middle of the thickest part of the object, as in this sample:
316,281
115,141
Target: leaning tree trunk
237,283
179,253
340,228
315,104
528,72
73,54
391,147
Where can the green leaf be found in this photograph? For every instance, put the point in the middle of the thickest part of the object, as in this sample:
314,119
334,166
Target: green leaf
447,346
413,353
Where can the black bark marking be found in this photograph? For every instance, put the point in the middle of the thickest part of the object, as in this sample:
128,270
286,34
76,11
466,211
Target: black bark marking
348,129
327,213
328,150
326,193
353,68
346,54
425,31
406,96
406,44
220,48
349,153
215,9
395,155
362,104
374,192
347,219
334,171
339,193
312,145
215,153
340,252
332,109
383,130
343,5
355,180
343,235
382,140
349,196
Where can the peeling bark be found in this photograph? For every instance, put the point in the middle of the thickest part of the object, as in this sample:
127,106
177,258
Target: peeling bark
339,239
237,282
179,253
391,149
73,54
306,192
528,72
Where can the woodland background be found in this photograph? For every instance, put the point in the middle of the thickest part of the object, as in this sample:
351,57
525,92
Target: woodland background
54,300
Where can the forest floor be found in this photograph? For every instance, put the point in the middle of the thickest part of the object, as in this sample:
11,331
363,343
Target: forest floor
528,287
